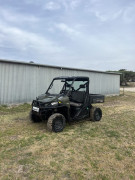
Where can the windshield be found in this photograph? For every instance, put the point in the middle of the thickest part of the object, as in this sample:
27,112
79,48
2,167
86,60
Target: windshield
59,86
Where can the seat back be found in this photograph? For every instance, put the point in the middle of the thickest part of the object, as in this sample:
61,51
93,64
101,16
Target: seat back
78,96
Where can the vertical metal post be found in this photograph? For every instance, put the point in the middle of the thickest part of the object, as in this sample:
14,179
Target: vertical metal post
123,90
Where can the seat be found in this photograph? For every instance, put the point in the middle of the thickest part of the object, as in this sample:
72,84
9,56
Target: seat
77,98
75,104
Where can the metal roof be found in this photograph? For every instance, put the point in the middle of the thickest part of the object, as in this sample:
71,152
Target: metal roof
78,78
51,66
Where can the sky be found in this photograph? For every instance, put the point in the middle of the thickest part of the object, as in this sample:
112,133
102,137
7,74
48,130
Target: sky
88,34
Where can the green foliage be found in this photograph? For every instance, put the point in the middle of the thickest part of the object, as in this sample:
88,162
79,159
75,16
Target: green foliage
125,76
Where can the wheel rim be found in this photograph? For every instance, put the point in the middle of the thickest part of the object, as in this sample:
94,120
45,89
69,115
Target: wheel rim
58,124
97,115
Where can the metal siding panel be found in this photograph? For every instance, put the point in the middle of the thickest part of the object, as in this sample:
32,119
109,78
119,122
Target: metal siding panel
21,82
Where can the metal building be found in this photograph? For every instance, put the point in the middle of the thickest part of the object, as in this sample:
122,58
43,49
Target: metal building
21,82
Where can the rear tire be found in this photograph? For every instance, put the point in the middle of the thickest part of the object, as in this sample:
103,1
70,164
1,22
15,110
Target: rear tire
56,122
95,114
34,118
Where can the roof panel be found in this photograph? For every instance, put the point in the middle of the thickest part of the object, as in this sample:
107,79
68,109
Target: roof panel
57,67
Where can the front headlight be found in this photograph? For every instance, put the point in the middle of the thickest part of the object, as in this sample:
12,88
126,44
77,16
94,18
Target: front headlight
54,103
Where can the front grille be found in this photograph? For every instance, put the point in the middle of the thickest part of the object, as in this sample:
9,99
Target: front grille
39,104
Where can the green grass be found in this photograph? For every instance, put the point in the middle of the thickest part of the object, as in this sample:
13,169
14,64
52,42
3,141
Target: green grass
85,150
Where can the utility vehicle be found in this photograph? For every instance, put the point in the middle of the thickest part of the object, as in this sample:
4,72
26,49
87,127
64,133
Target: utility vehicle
67,99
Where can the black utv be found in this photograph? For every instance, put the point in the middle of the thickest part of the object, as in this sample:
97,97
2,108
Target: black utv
67,99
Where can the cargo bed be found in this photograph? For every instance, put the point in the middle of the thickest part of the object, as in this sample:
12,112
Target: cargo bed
96,98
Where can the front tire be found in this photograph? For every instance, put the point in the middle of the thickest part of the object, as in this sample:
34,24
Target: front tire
95,114
56,122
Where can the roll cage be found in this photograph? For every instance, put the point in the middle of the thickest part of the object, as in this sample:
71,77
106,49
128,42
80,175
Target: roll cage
69,87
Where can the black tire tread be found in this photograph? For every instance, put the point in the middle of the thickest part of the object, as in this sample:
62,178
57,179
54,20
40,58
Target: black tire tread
50,121
92,112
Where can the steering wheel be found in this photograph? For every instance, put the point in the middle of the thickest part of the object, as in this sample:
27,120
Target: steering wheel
62,91
73,89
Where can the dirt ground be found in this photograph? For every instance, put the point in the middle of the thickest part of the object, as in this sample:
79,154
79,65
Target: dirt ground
85,150
130,89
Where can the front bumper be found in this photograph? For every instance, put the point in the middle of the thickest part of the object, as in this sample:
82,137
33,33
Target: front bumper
42,110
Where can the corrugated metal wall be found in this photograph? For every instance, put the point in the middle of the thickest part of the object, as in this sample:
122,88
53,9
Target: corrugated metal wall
23,82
